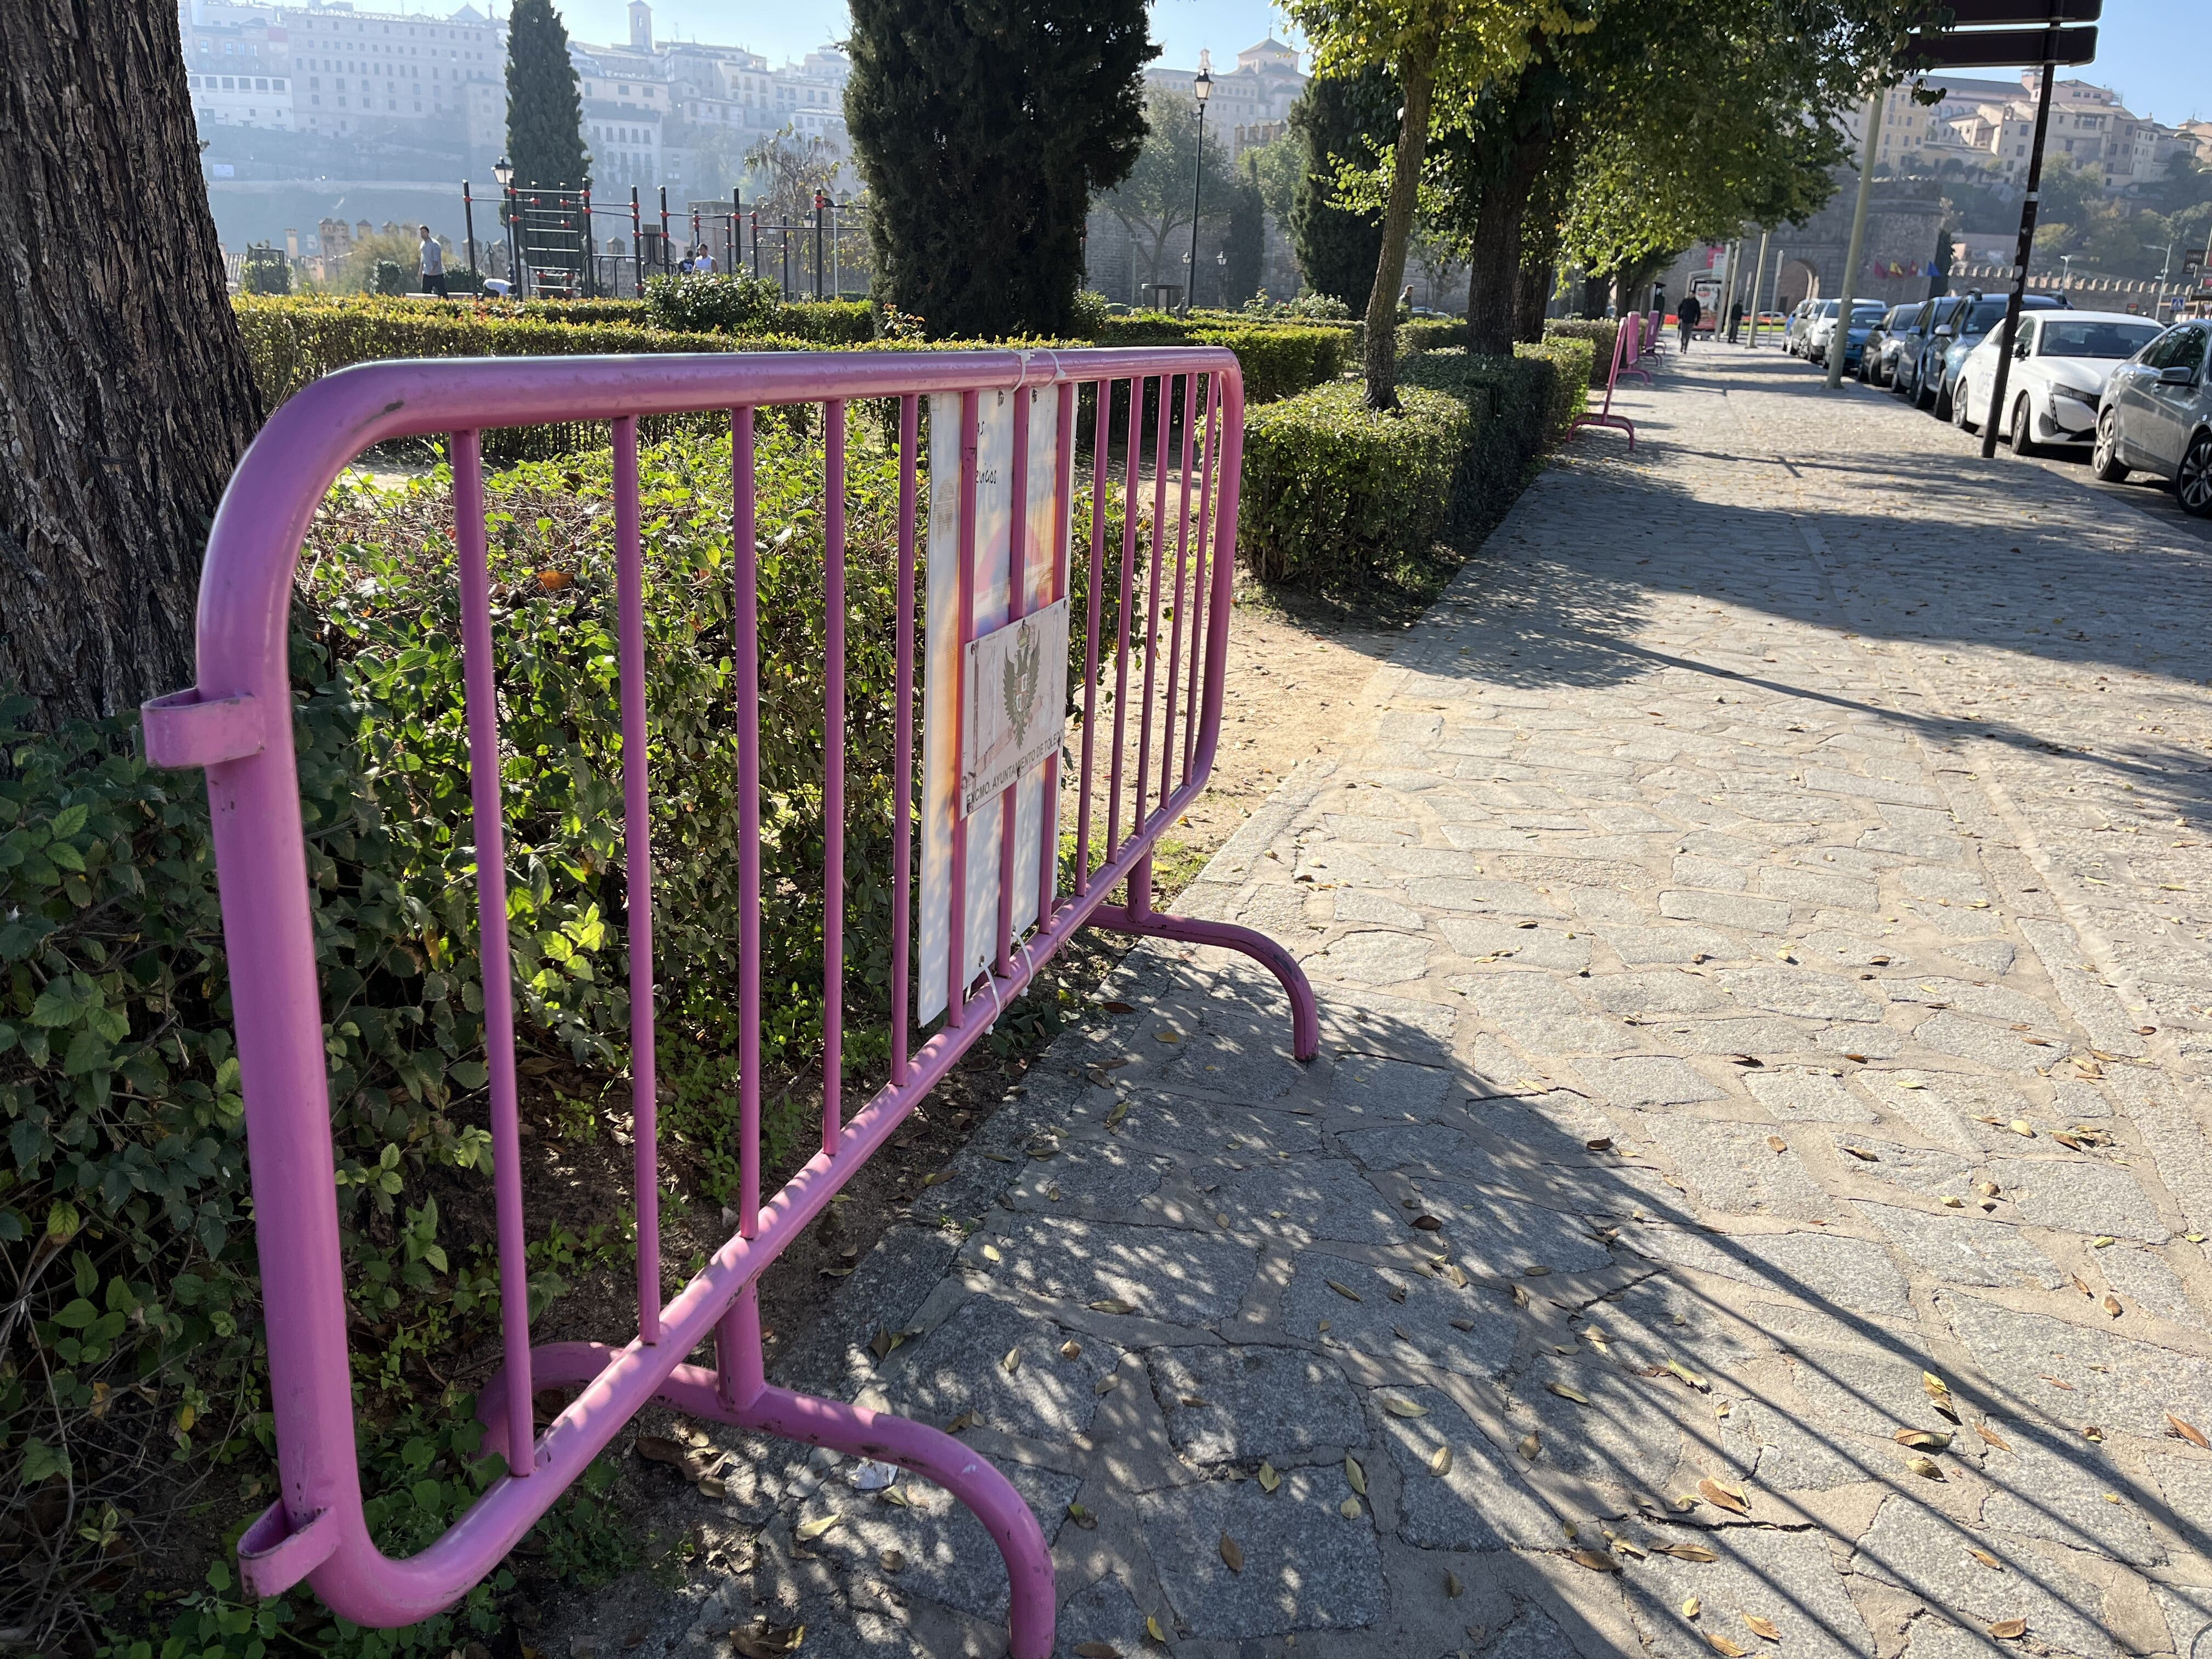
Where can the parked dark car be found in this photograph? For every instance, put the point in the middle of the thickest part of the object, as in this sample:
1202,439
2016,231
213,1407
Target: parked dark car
1912,344
1960,322
2157,416
1878,358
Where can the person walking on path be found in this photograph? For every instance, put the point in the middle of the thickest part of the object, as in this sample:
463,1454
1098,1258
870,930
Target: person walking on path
433,266
1691,310
702,261
1735,321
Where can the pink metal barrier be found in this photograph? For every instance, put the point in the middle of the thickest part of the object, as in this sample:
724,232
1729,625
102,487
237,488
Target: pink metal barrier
1621,344
1631,355
237,724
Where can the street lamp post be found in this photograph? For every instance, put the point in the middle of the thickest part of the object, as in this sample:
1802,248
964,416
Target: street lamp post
1221,275
2165,270
469,223
1201,88
502,173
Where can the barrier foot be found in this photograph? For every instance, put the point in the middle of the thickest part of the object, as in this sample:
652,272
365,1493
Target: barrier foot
1619,423
856,1431
1306,1013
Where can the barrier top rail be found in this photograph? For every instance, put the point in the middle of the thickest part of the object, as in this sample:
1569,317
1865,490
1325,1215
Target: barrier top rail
987,538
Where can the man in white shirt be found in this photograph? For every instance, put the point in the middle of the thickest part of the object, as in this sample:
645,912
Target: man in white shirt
433,266
702,261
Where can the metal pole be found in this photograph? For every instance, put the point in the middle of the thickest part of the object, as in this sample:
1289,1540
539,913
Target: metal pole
836,288
636,253
665,262
818,244
757,245
737,230
469,220
1758,280
1841,345
2027,208
516,287
590,249
1197,178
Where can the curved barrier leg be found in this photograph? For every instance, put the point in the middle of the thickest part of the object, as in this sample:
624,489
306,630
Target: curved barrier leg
1305,1012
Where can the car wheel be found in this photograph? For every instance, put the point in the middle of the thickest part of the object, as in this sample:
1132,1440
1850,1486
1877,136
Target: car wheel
2193,483
1943,401
2104,459
1922,396
2023,431
1962,402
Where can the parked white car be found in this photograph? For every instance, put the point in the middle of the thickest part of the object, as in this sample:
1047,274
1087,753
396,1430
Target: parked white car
2062,362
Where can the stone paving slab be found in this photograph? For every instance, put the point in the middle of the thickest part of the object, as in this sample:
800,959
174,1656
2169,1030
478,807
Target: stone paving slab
1763,921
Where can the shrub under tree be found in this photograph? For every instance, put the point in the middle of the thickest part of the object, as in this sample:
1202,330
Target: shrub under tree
1339,117
983,128
544,106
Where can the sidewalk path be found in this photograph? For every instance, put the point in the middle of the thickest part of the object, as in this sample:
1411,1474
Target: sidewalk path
1761,922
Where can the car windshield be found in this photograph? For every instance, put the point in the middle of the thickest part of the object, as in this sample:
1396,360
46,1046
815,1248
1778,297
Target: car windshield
2085,339
1988,314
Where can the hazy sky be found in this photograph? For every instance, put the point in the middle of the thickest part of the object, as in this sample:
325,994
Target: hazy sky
2157,52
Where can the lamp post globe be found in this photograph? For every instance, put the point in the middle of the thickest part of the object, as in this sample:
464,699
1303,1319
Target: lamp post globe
1201,88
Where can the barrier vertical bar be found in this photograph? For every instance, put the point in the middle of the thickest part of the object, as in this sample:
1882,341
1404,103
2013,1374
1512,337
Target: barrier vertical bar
1095,610
903,763
637,876
1162,424
1121,617
955,958
1018,547
1199,583
496,961
832,782
1175,617
1063,483
744,573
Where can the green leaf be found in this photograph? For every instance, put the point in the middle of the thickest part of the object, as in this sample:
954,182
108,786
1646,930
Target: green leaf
64,1000
42,1462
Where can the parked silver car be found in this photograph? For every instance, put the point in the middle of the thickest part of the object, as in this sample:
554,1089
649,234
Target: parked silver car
2156,416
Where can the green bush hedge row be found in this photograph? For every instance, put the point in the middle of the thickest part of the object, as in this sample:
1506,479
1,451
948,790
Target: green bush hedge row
1278,360
1331,489
1599,331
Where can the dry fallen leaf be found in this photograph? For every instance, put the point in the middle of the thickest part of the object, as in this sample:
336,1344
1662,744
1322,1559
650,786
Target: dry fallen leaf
1986,1559
1440,1460
1728,1645
1349,1509
1692,1607
1689,1375
2021,1125
1232,1555
1862,1155
1344,1290
1106,1384
1355,1475
1722,1495
1566,1393
1600,1144
965,1420
2189,1432
1777,1143
2112,1305
1111,1304
1764,1628
1595,1560
762,1640
1012,1362
1452,1586
1925,1468
1428,1224
659,1449
1687,1552
2009,1629
809,1530
1398,1407
1268,1479
1923,1439
1531,1444
891,1560
1152,1629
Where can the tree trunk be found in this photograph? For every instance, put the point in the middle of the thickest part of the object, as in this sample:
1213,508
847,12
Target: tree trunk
1494,283
1536,298
125,398
1415,80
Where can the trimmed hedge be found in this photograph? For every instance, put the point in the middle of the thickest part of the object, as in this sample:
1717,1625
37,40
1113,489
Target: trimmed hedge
1431,333
1331,489
1279,360
1599,331
1331,486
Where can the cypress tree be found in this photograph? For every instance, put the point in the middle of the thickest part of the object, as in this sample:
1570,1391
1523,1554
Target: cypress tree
1245,242
544,106
983,128
1338,251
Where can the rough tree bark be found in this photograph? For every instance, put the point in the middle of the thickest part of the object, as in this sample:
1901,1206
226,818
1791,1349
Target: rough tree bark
126,397
1416,81
1494,277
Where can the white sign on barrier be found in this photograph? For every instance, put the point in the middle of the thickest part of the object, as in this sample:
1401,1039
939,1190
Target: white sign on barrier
946,796
1016,685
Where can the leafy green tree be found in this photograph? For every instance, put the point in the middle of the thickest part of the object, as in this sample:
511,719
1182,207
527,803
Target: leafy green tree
983,128
544,106
1244,245
1337,121
1154,201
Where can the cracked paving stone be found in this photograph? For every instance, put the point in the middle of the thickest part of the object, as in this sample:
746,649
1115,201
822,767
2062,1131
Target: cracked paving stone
1641,947
950,1557
2079,1196
2144,1278
1804,994
1646,1080
1732,1167
1984,1001
1916,1169
960,1367
2057,1491
1550,1127
1474,937
2188,1613
1171,1123
1237,1405
1982,1041
1300,1200
2134,1386
1966,1250
1250,1068
1479,1501
1808,1096
1921,1550
1365,1082
1372,1325
1788,1578
1774,1447
1375,958
1627,1438
1165,1273
1509,1236
1432,1149
1809,1266
2186,1482
1673,992
1102,1612
1110,1175
1543,1015
1306,1566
